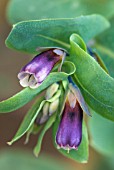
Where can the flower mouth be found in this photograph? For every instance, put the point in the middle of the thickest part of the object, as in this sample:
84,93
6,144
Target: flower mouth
28,80
67,147
36,71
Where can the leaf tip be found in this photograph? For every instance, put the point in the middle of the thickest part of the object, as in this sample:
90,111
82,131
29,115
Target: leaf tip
84,161
36,153
9,143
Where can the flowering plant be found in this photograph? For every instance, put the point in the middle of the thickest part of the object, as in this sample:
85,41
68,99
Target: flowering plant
72,77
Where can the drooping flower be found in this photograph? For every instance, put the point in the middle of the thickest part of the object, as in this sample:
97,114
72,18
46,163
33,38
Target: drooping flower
35,72
69,134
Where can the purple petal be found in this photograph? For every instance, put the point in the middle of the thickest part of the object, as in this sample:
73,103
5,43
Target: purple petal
35,72
69,133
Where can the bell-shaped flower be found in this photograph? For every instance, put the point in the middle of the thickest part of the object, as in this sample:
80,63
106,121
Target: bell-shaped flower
35,72
69,134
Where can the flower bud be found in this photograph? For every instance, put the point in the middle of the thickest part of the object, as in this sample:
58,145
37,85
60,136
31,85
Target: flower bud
53,107
51,91
45,112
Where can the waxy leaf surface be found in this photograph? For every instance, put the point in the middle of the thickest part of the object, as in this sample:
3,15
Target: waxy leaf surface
102,134
29,35
20,10
97,85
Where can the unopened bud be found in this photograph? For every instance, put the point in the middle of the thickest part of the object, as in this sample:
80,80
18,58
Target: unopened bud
71,99
45,108
51,91
45,112
53,107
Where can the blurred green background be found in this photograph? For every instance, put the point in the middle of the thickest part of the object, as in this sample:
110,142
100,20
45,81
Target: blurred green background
20,156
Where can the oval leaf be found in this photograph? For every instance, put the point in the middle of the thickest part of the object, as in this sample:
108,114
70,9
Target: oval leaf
102,135
20,10
20,159
97,85
28,36
105,41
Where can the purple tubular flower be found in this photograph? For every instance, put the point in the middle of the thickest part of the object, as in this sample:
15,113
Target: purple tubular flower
69,133
35,72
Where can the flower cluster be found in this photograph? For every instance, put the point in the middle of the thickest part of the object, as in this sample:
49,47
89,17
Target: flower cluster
69,132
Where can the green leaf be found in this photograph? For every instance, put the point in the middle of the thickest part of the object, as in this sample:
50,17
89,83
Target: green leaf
34,129
109,61
80,155
99,60
28,120
102,134
19,159
97,86
105,46
20,10
26,95
40,137
29,35
106,39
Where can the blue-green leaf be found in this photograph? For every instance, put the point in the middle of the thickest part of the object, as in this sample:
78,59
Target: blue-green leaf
96,85
106,39
102,134
19,159
29,35
20,10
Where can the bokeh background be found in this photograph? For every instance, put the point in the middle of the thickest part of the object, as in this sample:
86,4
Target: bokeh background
20,156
